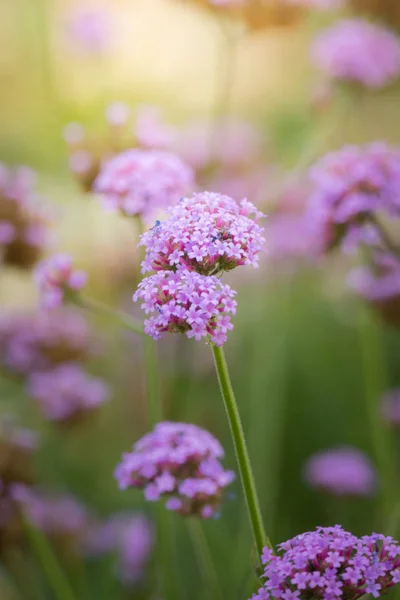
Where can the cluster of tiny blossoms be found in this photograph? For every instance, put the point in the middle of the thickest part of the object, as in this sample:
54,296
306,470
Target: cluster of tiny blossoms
180,462
208,233
358,51
56,277
330,563
186,302
349,187
142,182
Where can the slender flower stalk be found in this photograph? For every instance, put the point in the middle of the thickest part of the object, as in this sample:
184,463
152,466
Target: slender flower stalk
117,316
204,557
374,385
152,381
242,455
45,555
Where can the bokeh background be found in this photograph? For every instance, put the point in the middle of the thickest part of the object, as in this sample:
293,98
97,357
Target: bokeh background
309,360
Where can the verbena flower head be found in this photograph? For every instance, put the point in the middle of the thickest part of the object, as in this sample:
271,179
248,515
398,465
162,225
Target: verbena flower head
349,187
180,463
208,233
37,341
355,50
67,393
142,182
24,219
130,537
56,277
186,302
330,563
341,472
17,447
391,407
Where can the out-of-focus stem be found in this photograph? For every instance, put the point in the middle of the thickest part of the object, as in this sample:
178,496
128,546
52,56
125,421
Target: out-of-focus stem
44,553
374,386
116,316
204,557
152,380
242,454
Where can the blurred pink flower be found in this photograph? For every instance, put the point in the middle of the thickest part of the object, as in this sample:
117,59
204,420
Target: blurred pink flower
341,472
56,277
359,51
142,182
89,27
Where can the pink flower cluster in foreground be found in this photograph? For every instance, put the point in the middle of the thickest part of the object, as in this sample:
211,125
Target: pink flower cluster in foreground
142,182
358,51
342,472
186,302
56,277
179,462
330,563
208,233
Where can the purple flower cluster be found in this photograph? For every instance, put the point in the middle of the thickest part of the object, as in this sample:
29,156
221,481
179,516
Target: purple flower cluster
142,182
350,187
342,472
330,563
130,537
31,342
358,51
56,277
186,302
180,462
55,515
391,407
24,220
66,393
208,233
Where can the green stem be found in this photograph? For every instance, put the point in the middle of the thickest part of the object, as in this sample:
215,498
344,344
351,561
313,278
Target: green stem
374,385
242,455
204,558
152,380
116,316
167,554
52,569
